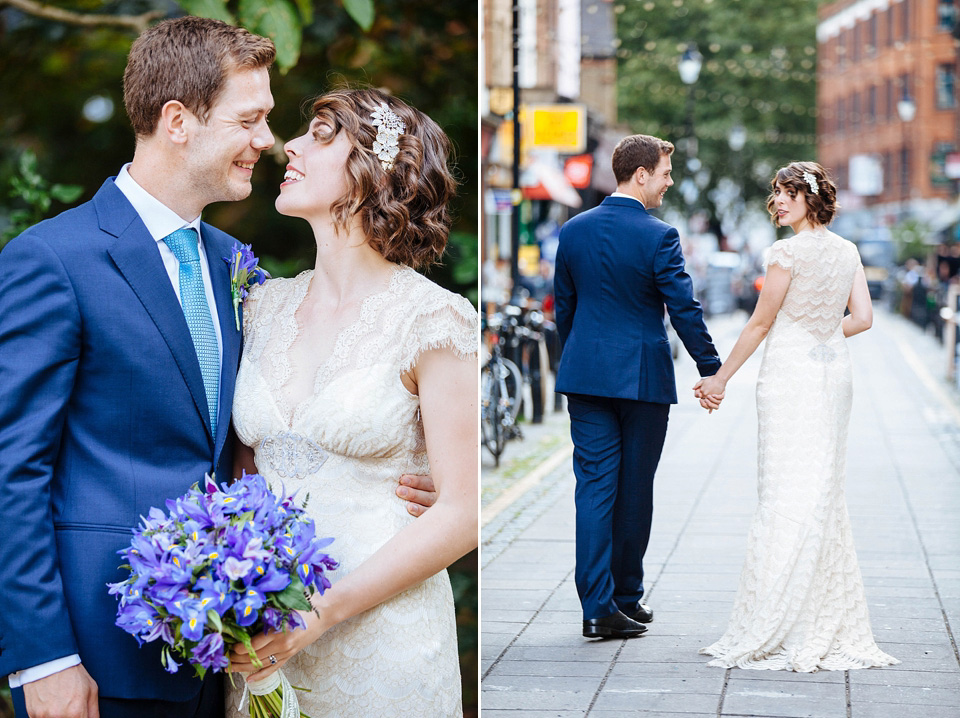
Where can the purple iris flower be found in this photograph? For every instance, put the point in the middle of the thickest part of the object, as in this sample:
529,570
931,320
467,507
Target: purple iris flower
215,595
247,608
209,652
161,629
169,665
192,614
268,579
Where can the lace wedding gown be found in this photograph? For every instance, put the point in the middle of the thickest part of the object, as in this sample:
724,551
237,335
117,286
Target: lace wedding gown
800,605
345,438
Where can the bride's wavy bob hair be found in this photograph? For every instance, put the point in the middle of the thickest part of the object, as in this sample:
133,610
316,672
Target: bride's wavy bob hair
821,205
402,211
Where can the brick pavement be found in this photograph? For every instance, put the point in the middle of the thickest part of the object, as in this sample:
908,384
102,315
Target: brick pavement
903,492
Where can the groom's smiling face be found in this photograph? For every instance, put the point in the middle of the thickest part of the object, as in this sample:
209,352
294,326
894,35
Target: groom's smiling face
227,146
656,183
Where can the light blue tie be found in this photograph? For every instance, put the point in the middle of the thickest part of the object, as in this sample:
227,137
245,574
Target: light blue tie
183,243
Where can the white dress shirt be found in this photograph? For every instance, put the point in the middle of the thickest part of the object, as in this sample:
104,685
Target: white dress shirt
628,196
160,221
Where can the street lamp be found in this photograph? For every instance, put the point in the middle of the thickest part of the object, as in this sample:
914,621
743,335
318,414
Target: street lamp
907,110
689,66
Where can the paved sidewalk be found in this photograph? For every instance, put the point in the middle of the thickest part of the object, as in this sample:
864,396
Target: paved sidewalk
903,492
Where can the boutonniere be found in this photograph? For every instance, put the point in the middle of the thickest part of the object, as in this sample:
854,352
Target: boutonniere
244,273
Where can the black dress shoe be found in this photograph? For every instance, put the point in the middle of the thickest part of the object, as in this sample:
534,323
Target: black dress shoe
615,626
642,614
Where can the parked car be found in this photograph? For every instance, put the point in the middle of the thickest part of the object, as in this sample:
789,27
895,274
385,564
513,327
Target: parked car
717,294
879,258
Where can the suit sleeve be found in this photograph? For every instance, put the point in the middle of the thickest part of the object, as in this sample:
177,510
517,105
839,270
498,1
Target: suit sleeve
39,351
686,314
564,295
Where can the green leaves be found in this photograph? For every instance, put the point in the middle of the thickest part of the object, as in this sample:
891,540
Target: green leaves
34,191
277,20
215,9
361,11
293,596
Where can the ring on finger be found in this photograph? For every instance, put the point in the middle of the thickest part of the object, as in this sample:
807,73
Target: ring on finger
273,659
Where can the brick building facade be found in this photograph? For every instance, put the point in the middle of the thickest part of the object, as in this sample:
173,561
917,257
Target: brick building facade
872,56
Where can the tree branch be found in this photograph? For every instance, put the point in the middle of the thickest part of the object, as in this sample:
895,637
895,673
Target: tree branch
134,22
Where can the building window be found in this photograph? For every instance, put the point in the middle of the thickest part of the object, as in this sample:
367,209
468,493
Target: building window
855,111
888,15
946,15
946,86
903,87
872,105
872,35
856,30
841,115
888,99
905,19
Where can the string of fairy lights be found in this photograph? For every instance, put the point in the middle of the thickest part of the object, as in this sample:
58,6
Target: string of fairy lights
658,58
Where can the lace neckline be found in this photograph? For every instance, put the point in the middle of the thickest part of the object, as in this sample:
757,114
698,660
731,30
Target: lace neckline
345,338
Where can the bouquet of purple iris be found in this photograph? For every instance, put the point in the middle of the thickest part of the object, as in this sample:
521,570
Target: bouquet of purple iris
224,565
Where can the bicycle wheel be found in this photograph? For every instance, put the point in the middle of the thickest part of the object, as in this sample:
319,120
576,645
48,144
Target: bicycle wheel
511,381
491,418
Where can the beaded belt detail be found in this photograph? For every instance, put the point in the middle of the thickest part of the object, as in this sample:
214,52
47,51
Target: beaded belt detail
290,455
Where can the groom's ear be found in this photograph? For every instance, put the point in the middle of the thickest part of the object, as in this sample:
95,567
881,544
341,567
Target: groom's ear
176,121
640,175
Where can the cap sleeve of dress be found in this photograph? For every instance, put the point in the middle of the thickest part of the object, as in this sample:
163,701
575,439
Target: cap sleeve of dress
781,254
442,320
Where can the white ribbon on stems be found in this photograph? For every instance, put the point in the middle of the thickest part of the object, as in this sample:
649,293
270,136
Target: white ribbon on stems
290,706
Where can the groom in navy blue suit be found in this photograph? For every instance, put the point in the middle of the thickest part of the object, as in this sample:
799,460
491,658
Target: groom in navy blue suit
616,268
108,406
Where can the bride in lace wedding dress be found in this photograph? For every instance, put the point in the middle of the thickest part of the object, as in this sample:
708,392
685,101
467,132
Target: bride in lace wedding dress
352,374
800,605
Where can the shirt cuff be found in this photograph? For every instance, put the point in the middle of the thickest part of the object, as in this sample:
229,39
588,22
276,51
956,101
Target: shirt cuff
29,675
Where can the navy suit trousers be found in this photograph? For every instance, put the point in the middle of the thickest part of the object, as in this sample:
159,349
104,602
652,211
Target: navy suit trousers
617,443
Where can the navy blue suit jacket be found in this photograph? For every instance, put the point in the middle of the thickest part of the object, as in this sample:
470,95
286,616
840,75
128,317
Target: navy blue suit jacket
616,268
102,415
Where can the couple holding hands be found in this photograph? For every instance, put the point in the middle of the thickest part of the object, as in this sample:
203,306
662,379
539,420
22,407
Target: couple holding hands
800,604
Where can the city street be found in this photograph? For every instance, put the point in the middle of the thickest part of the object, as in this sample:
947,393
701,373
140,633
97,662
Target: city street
903,491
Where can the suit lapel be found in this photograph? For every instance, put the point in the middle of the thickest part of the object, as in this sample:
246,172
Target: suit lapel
217,246
135,255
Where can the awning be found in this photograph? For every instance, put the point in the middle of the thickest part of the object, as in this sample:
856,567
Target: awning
550,183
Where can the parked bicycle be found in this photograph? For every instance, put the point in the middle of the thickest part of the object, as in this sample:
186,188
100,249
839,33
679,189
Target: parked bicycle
501,387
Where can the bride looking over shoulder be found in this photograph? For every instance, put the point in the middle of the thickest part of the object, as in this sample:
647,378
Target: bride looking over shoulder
354,373
800,604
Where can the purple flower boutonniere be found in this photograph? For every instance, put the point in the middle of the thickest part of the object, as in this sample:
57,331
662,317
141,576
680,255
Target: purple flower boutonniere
244,273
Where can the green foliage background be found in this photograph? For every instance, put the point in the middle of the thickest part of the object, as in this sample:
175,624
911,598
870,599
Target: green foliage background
423,52
759,71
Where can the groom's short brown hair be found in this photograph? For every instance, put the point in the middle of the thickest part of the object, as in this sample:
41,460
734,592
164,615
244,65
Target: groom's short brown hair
635,151
186,59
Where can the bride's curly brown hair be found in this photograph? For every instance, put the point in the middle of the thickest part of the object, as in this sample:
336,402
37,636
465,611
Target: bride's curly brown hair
402,211
821,205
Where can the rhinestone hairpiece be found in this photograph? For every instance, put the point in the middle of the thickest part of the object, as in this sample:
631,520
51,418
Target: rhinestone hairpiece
389,128
812,181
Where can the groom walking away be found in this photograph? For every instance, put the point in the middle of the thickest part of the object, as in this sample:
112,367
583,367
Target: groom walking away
616,267
118,358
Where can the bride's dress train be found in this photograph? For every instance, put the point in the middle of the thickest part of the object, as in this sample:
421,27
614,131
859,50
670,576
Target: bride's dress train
800,605
344,436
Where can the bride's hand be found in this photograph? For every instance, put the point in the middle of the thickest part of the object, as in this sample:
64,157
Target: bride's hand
282,645
710,391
